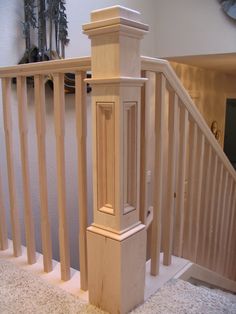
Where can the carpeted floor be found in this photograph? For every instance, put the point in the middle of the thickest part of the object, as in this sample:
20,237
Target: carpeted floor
21,292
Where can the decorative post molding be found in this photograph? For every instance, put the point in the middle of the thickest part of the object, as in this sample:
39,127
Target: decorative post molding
116,239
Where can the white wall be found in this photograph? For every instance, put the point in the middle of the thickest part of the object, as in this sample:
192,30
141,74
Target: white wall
177,27
191,27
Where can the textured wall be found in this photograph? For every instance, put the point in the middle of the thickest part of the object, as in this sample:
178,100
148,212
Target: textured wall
209,90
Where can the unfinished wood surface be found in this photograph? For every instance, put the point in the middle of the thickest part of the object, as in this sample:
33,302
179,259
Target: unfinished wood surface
180,181
59,121
7,120
212,206
158,175
160,65
171,171
205,205
3,223
198,191
142,193
23,129
47,67
81,131
231,239
222,222
218,213
227,218
190,201
40,116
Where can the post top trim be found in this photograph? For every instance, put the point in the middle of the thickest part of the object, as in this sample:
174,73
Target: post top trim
114,11
114,16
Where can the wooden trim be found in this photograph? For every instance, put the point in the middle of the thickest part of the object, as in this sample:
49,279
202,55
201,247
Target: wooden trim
159,65
40,116
190,201
218,215
59,116
158,176
47,67
199,187
170,197
181,176
7,118
3,223
81,132
142,192
23,129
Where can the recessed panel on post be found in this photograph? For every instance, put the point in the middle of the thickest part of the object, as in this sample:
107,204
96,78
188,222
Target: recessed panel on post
105,117
130,156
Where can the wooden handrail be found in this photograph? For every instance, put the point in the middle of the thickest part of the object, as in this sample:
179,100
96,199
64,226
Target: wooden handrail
47,67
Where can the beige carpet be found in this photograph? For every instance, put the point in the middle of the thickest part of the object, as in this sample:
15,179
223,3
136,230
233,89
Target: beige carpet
21,292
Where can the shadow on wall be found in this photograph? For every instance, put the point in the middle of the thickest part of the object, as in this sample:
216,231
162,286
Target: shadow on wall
71,170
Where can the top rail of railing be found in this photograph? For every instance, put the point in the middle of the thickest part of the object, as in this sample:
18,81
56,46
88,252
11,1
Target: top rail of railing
47,67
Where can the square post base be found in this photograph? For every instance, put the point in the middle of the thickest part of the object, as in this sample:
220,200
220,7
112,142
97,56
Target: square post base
116,268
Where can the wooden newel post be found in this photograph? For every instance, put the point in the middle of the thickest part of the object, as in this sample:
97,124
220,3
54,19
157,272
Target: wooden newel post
116,239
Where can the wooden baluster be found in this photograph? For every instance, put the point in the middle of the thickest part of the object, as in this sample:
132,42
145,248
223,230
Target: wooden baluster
180,200
198,192
145,94
231,239
40,116
16,234
205,206
158,176
218,216
222,222
3,223
23,129
171,170
59,116
232,269
227,218
211,209
190,202
81,128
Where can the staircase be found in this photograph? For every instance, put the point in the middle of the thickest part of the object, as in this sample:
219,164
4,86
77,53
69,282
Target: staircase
158,172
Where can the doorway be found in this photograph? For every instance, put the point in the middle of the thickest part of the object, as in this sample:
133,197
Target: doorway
230,131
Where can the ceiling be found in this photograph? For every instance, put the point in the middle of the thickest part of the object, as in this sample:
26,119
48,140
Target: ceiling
219,62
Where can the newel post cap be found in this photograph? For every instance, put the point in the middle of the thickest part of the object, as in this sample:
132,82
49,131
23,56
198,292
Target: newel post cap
112,18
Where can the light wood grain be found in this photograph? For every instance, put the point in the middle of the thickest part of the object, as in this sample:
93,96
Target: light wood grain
40,116
222,223
158,175
47,67
142,193
227,219
59,121
23,129
171,176
211,209
3,223
205,205
231,239
7,119
180,185
198,190
218,212
81,131
190,202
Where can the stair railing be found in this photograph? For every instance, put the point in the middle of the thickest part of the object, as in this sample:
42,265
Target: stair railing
194,184
39,72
